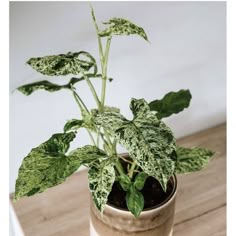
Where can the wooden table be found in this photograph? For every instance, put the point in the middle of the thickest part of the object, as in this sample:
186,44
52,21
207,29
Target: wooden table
200,209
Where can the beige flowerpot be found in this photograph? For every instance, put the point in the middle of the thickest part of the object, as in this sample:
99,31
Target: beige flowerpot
156,221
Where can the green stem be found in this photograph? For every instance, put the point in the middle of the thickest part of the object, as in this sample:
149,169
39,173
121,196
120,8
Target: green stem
131,171
79,101
82,106
98,37
120,168
104,72
92,89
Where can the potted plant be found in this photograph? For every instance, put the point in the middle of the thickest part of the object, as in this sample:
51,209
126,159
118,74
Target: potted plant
132,193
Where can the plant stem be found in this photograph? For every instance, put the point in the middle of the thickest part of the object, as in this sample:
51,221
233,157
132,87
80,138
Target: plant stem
82,106
131,171
104,72
79,100
92,89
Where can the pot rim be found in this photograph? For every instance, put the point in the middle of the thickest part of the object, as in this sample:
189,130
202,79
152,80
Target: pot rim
166,202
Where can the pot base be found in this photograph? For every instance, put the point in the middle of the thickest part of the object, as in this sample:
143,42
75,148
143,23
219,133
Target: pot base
94,233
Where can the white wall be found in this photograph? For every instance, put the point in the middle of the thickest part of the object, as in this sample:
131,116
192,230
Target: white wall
187,50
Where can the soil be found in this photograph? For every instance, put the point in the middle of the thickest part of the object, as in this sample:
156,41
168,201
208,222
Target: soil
152,192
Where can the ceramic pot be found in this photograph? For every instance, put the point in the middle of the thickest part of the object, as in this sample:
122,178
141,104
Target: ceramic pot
156,221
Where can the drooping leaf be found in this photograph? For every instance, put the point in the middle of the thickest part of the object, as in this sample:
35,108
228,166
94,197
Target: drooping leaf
148,140
124,181
140,180
101,177
190,160
48,165
64,64
27,89
171,103
134,201
119,26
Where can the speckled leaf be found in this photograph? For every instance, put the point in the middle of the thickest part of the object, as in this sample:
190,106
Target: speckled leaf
101,178
48,165
119,26
140,180
190,160
124,181
74,124
171,103
64,64
134,201
148,140
111,121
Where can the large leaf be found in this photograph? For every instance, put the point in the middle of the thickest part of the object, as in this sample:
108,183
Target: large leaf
101,178
134,201
64,64
148,140
190,160
119,26
171,103
48,165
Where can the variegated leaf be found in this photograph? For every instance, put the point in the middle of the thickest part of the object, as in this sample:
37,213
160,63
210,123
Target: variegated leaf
64,64
148,140
171,103
190,160
134,201
110,121
119,26
140,180
45,166
27,89
48,165
101,177
74,124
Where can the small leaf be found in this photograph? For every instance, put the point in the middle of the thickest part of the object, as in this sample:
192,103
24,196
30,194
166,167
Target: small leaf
64,64
140,180
101,178
190,160
134,201
124,181
119,26
171,103
74,124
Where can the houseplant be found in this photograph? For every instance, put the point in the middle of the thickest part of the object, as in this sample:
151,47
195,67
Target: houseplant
116,182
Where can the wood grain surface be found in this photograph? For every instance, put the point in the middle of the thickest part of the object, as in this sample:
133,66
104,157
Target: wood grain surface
201,200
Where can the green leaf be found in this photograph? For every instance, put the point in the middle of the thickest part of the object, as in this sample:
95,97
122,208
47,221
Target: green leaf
148,140
64,64
119,26
190,160
101,177
27,89
45,166
171,103
140,180
134,201
124,181
48,165
74,124
111,121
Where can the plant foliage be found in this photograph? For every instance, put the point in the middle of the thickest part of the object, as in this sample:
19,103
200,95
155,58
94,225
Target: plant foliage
149,141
